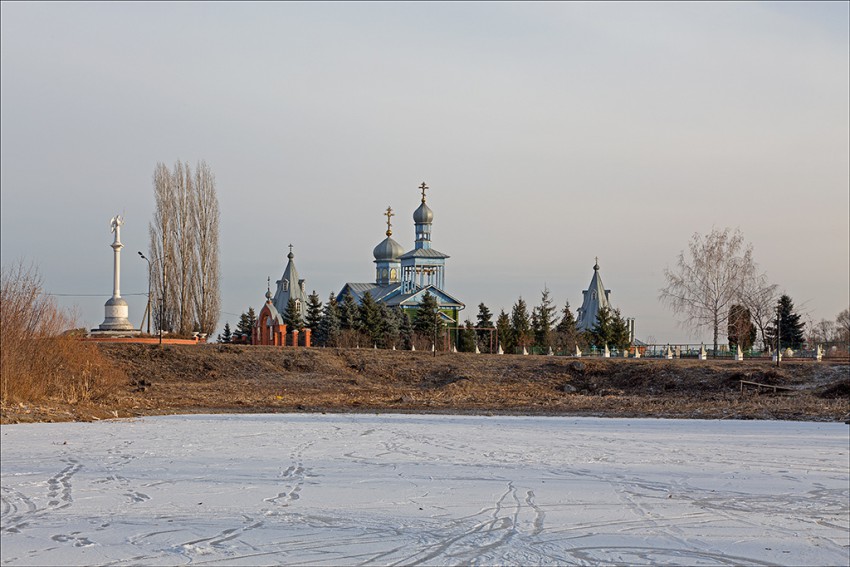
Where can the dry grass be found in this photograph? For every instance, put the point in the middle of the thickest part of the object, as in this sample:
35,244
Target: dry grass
235,378
38,362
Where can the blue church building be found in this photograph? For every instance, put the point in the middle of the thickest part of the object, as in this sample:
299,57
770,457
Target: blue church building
402,278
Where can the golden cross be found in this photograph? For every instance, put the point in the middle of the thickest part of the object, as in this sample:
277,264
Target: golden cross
423,187
389,214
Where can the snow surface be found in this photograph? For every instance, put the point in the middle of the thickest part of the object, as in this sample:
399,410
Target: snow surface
433,490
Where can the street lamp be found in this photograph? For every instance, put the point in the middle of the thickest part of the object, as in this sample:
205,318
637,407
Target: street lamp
149,290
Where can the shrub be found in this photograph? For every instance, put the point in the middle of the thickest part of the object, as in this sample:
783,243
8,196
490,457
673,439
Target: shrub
39,360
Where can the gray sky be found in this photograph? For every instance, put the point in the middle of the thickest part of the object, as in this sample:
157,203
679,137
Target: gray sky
550,133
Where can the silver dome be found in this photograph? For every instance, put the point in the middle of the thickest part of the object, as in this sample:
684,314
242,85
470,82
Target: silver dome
423,214
388,250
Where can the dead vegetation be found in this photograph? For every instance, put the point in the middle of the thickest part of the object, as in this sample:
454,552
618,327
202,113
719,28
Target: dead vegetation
246,379
38,363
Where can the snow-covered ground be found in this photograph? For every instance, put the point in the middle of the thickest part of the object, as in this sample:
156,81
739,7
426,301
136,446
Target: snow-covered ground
412,489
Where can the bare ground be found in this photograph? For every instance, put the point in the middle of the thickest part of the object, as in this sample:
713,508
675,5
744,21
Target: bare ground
251,379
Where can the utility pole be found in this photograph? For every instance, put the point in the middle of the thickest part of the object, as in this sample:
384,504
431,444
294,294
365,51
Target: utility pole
436,314
149,291
778,342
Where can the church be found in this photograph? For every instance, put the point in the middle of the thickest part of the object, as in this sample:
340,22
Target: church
595,298
402,278
270,328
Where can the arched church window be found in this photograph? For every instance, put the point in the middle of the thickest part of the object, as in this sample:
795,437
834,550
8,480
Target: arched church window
298,305
393,274
285,285
594,295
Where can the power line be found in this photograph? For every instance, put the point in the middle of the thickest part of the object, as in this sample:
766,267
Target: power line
88,294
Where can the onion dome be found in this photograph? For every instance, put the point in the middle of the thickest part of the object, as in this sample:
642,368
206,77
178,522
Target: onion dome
423,215
388,250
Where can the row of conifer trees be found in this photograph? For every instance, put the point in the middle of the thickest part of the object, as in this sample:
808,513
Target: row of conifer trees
347,324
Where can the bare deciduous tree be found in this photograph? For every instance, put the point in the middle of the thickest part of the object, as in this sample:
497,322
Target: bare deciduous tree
207,292
842,324
706,282
184,248
760,297
162,241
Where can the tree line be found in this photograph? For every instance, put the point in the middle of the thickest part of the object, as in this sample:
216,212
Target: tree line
716,283
347,324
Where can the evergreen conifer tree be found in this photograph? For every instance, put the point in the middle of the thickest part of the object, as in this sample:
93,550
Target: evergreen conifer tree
246,324
329,327
520,324
485,321
790,326
503,330
467,338
292,316
601,333
545,320
426,316
349,313
314,312
405,328
227,335
369,318
619,331
566,329
389,322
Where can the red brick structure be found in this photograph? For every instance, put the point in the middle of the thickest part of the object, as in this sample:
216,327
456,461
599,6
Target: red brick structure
271,330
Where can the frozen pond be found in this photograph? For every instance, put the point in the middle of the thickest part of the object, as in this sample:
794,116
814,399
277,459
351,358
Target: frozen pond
432,490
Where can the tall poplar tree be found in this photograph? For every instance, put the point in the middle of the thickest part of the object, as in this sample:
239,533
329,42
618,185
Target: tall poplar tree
184,249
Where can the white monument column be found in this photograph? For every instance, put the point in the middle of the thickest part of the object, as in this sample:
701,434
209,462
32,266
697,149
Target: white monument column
117,310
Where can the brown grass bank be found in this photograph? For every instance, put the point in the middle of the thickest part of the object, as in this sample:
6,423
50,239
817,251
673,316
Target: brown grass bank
230,378
38,363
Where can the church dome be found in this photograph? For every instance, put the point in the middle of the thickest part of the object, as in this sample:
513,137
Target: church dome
388,250
423,214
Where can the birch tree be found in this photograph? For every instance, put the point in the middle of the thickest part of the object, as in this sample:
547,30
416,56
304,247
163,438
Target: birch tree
708,279
759,297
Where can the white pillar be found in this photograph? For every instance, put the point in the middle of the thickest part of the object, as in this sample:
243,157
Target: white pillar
117,246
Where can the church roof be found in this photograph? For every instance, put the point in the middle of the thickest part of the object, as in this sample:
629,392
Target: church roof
414,298
290,286
378,292
275,318
595,298
424,253
392,296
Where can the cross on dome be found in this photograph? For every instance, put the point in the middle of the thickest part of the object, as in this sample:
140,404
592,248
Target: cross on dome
424,188
389,214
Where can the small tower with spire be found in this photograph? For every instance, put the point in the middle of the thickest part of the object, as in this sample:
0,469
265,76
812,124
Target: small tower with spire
423,265
290,286
388,256
595,297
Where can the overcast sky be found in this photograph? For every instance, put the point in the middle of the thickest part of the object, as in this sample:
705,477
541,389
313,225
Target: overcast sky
550,133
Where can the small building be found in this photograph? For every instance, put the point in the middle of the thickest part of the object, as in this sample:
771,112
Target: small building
271,327
594,298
